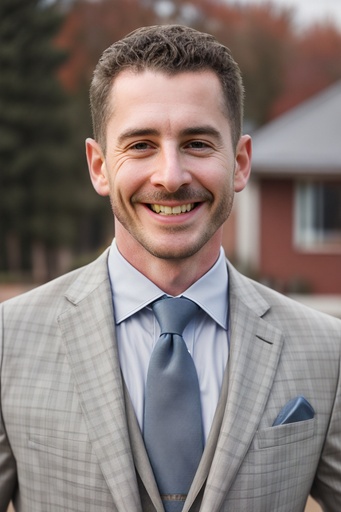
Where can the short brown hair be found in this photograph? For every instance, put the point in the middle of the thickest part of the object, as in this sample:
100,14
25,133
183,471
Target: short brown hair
169,49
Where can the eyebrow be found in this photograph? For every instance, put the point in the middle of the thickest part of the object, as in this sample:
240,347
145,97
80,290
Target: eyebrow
190,131
137,132
202,130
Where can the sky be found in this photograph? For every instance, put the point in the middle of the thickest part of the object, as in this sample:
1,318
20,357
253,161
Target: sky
306,11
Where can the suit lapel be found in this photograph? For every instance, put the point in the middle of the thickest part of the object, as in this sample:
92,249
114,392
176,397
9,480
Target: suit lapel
88,330
255,347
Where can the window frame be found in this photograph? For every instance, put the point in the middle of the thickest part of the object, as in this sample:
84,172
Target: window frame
308,237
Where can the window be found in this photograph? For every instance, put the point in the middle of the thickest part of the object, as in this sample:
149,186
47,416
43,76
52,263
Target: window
318,215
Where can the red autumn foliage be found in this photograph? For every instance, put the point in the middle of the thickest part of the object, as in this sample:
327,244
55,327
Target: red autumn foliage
281,65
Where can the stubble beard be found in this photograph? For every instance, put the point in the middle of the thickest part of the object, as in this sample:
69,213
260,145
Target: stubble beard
169,251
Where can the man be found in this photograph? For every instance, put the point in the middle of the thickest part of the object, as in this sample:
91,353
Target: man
168,151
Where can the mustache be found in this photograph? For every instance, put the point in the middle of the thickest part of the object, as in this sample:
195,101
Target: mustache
181,195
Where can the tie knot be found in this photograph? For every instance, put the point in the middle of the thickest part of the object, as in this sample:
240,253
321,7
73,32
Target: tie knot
173,314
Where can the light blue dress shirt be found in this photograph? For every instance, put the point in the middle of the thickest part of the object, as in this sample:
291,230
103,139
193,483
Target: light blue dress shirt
137,330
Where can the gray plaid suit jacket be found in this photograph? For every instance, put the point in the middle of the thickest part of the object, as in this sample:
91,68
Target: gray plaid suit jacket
68,441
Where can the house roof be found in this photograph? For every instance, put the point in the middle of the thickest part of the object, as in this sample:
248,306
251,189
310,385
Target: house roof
304,140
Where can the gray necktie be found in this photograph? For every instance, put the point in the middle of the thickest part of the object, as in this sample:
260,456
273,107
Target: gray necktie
173,430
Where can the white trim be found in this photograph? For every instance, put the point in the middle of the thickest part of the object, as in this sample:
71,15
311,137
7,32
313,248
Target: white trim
248,226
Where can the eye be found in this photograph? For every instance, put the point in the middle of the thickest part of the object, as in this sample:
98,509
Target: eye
198,147
197,144
141,149
141,146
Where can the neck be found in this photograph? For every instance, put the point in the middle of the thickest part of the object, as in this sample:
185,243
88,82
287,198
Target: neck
173,276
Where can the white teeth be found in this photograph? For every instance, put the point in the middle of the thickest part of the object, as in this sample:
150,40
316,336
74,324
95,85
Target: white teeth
176,210
169,210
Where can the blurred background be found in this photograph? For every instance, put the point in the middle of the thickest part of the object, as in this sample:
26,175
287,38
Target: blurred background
285,229
50,218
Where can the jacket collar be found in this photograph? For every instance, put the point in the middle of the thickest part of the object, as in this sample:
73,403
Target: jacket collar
255,348
87,327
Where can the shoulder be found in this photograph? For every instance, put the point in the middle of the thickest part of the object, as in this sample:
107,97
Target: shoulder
52,294
293,311
285,313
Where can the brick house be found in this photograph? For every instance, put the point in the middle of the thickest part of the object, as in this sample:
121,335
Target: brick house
286,225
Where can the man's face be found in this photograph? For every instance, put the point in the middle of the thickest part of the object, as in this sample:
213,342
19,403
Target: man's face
170,169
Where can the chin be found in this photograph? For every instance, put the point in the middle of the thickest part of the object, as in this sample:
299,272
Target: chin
171,251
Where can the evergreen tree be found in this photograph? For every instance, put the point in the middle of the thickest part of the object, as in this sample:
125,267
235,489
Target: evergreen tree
35,162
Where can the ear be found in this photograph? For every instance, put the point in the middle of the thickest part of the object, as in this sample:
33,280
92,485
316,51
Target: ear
243,163
97,167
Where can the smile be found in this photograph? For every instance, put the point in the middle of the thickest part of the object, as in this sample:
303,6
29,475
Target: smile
172,210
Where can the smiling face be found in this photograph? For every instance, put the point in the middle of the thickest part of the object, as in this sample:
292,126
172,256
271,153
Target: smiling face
169,168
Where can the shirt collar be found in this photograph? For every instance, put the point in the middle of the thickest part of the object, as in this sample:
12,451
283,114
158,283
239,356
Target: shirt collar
133,291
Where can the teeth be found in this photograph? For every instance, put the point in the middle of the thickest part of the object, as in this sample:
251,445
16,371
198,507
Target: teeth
169,210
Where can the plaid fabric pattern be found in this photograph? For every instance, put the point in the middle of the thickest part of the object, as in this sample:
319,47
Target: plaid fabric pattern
63,422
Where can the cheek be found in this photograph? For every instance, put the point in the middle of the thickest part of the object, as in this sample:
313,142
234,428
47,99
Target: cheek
217,180
218,169
125,180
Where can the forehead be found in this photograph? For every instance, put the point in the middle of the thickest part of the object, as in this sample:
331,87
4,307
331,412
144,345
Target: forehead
155,96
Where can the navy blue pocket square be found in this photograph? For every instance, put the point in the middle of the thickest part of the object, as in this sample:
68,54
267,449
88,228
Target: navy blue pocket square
297,409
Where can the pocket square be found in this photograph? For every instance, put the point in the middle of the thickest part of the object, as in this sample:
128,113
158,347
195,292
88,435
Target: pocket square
297,409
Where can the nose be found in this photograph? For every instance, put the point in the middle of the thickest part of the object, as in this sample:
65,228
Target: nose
170,171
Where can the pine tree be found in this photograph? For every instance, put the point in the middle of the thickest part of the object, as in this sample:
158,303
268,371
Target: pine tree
35,172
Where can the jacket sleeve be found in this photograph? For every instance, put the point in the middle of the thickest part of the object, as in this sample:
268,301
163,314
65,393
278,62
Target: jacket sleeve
8,474
326,489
